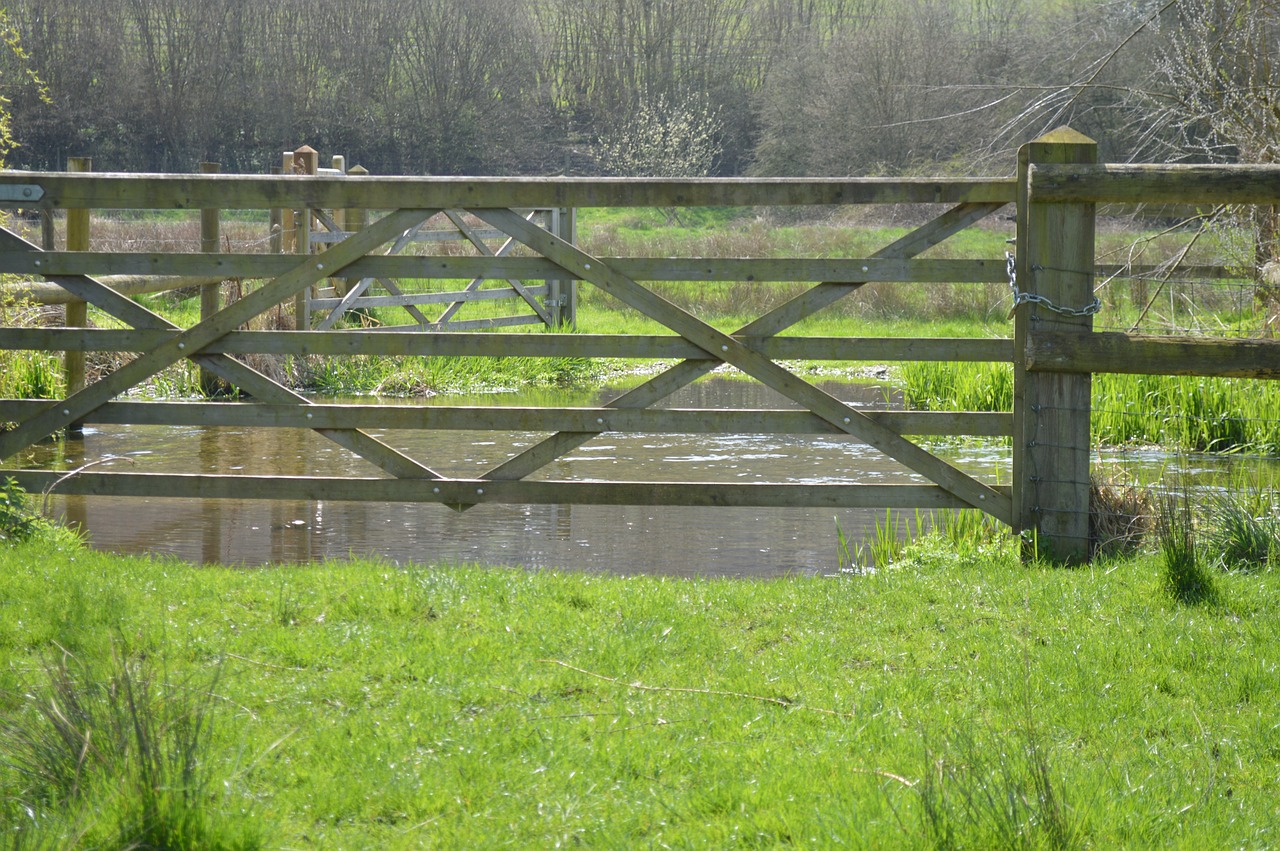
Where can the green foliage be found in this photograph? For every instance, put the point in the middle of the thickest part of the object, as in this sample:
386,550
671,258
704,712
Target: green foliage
957,386
1010,796
1197,414
18,520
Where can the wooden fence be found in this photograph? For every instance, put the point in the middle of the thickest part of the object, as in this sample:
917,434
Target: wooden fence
552,303
1053,350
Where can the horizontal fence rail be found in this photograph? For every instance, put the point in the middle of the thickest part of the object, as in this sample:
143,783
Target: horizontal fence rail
1155,184
107,191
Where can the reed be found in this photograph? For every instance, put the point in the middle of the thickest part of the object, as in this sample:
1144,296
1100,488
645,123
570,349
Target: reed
1196,414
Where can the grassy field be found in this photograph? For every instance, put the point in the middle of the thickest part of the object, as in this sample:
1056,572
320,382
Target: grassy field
954,700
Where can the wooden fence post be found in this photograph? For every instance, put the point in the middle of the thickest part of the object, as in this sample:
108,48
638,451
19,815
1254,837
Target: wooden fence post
77,312
354,219
288,236
48,234
275,223
306,160
564,292
210,302
1054,291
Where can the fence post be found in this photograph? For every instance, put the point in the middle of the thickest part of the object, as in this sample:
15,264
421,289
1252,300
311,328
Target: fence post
564,292
210,235
306,160
77,312
354,219
1051,449
288,236
48,234
275,223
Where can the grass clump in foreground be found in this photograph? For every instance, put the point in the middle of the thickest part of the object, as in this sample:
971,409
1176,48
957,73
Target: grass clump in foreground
943,702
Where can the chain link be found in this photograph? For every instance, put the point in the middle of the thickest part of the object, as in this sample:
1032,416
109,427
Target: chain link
1020,297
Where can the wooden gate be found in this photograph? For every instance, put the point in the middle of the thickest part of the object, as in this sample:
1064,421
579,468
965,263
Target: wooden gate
550,303
1049,425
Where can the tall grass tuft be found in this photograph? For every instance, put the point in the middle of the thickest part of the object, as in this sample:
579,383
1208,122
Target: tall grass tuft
994,795
888,540
1186,577
1244,531
116,761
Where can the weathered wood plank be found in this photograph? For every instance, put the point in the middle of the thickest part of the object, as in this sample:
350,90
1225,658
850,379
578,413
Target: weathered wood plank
765,370
517,419
762,270
48,292
1155,184
236,192
1138,355
413,342
353,489
492,323
43,292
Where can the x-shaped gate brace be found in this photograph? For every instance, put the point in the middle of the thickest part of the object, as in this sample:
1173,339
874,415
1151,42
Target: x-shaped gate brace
734,349
350,300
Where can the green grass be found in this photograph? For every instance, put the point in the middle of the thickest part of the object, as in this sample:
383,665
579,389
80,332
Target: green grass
946,702
1185,413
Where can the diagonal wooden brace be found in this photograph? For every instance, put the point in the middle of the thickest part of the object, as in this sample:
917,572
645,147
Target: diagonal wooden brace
76,406
780,318
732,351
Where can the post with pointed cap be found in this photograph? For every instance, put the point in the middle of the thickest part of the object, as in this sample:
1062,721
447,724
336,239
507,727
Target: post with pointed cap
1051,449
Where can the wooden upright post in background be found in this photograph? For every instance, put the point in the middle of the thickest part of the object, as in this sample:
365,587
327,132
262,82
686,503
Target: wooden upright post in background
564,292
275,223
1051,449
306,160
354,220
77,312
210,303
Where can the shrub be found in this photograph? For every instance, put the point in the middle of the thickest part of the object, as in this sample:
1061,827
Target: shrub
18,521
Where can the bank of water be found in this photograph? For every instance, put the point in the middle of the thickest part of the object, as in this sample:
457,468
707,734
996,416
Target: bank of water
620,539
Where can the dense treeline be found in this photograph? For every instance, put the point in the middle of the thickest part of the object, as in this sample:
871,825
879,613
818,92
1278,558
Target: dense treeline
586,86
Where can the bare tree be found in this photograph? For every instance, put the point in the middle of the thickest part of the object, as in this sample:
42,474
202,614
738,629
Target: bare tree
467,76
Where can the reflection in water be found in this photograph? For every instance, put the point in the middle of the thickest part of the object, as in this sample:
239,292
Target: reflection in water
622,539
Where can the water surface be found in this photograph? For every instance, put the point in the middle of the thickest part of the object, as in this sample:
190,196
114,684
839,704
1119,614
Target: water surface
617,539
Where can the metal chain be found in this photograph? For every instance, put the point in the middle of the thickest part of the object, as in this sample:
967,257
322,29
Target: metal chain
1034,298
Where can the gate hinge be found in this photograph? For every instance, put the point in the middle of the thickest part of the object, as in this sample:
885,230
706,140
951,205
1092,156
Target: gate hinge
21,193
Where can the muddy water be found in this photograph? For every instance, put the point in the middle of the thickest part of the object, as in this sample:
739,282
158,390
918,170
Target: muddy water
619,539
